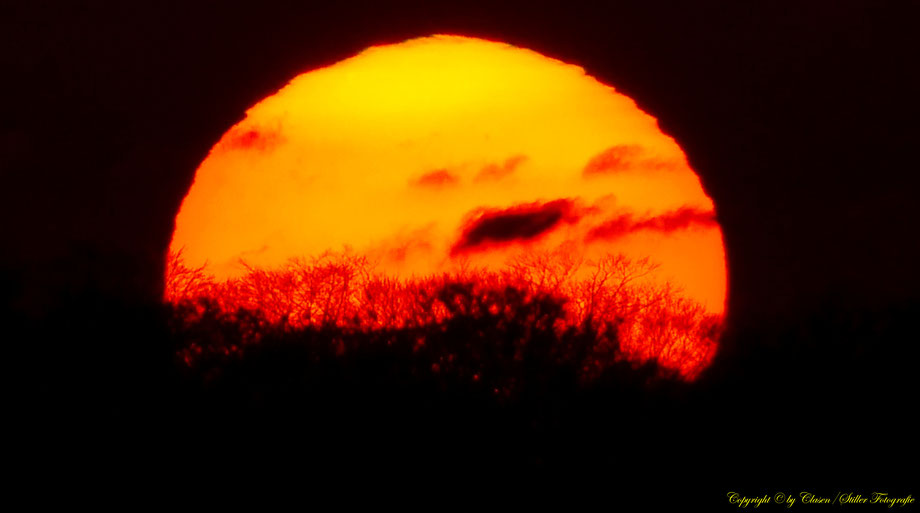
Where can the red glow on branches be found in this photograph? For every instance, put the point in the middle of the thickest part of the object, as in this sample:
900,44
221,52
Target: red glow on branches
624,315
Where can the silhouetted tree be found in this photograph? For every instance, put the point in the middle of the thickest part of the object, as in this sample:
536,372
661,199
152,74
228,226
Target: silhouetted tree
550,303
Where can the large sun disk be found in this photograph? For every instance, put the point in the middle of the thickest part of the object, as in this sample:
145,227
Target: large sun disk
397,154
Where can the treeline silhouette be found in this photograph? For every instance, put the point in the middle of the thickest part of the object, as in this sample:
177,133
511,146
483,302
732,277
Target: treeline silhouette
464,370
485,318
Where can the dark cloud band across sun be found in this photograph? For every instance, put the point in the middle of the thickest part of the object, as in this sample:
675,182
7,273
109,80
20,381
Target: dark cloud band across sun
518,223
622,158
625,224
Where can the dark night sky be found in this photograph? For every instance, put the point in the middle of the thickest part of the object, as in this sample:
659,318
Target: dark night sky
800,118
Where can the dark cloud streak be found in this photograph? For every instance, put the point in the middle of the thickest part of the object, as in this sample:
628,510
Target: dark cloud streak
252,139
622,158
437,178
515,224
494,172
625,224
612,160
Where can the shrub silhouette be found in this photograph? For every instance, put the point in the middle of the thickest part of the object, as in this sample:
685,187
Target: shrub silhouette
496,328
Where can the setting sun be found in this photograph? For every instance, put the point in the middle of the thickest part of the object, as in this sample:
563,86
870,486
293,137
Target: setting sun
446,153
